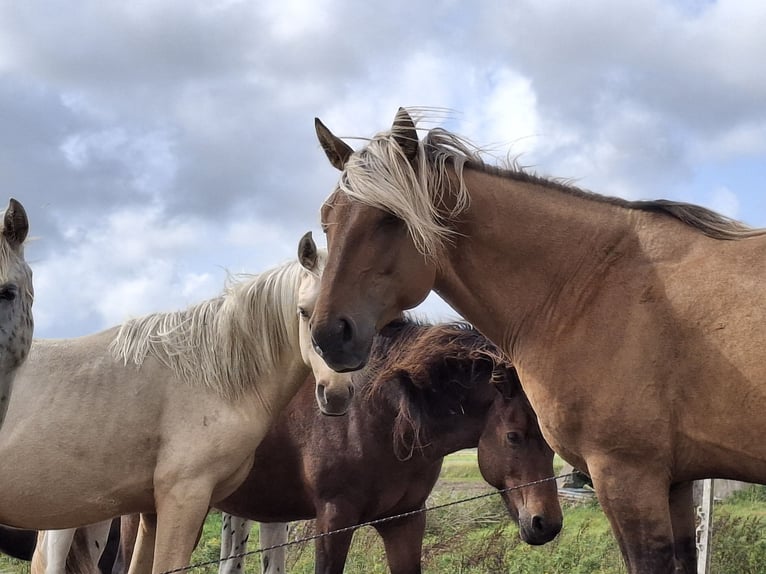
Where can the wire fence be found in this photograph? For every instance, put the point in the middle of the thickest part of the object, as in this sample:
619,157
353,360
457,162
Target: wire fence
305,539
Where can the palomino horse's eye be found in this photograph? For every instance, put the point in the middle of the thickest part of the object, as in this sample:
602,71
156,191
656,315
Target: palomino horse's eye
514,438
302,313
8,292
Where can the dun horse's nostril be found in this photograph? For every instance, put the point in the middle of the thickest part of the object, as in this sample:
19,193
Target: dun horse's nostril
346,330
321,393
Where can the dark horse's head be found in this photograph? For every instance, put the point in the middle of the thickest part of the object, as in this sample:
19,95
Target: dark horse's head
448,380
512,453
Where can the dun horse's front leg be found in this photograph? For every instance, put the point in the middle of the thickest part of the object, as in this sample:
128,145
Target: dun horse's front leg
684,526
635,500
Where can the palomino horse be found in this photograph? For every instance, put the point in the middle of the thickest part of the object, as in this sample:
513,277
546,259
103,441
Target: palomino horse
637,328
16,295
164,412
425,393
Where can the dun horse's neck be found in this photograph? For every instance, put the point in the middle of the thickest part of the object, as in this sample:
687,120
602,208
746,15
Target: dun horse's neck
528,257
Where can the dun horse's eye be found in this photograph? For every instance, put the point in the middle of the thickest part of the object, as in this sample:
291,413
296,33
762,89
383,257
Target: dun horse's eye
513,438
302,313
8,292
389,220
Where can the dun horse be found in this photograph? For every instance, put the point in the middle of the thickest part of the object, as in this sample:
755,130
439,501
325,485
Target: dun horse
161,415
637,328
16,295
426,393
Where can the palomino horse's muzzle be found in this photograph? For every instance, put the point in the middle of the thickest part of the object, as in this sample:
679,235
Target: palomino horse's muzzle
334,399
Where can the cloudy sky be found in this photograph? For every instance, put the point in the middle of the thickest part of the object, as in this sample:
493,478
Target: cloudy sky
160,144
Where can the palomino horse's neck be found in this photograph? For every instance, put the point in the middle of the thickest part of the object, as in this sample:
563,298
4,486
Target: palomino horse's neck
549,248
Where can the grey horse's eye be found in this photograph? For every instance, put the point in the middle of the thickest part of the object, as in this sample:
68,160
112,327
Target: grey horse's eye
8,292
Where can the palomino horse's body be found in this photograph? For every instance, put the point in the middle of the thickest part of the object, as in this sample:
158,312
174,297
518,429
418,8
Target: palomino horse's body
159,416
426,393
16,295
637,328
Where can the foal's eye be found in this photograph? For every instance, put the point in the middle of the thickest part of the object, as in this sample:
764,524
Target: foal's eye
8,292
302,313
513,438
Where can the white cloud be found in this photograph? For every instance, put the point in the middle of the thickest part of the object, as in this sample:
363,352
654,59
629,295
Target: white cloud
724,201
157,143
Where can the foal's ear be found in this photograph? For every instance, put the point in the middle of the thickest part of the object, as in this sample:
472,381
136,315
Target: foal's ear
405,134
15,224
336,149
307,252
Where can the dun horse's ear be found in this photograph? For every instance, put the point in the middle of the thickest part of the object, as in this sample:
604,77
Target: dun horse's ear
336,149
307,252
405,134
15,224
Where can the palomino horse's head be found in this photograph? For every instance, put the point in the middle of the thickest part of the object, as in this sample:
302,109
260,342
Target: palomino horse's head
375,270
16,292
513,452
334,391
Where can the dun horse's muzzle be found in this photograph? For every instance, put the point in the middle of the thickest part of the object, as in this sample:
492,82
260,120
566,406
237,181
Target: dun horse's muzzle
339,343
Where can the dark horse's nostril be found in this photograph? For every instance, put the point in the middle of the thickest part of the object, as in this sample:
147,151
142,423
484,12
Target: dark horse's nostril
537,523
351,391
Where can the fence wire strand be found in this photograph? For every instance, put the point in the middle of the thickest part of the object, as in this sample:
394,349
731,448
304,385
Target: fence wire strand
363,524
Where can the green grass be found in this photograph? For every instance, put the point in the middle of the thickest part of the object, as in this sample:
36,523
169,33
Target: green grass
461,467
477,537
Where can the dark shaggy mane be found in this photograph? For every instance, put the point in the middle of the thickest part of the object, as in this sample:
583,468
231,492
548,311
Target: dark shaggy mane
428,370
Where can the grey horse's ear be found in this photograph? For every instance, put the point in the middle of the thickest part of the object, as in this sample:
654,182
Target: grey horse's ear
15,224
336,149
307,252
405,134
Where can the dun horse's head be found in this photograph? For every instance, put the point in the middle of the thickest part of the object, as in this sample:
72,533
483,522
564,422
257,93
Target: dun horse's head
334,391
375,268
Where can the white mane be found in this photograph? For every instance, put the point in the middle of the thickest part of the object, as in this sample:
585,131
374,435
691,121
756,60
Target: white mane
225,344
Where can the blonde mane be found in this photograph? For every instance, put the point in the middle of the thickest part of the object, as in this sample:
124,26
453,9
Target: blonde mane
224,344
380,175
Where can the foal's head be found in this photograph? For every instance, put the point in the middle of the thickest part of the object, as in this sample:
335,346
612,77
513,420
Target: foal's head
513,452
333,390
16,292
